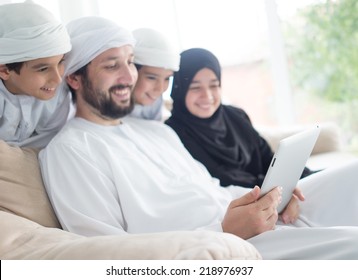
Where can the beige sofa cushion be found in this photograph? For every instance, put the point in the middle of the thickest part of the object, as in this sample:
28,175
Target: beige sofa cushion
24,239
21,188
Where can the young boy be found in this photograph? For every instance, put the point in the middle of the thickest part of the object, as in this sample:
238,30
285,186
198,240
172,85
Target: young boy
32,48
156,60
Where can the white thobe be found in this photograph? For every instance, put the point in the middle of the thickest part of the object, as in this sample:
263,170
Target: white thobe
110,179
137,177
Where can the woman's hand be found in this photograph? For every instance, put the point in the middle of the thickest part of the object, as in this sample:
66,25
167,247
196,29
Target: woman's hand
292,210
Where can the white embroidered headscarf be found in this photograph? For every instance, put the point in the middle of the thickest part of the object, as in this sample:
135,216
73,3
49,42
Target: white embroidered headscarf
154,49
28,31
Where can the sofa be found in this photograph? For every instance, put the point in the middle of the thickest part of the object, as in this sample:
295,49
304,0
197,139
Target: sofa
29,228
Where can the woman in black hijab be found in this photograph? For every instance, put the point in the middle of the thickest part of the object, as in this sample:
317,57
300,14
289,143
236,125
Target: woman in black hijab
219,136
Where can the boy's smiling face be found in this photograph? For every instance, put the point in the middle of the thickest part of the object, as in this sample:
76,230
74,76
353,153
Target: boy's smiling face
38,78
152,83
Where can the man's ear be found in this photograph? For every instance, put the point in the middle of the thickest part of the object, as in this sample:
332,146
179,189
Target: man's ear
74,81
4,72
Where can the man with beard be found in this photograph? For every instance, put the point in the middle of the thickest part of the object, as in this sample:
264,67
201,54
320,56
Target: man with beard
107,175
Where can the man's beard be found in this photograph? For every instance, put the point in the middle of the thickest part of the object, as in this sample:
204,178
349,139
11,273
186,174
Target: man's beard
102,101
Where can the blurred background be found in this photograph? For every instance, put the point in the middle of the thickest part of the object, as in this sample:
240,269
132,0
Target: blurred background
285,62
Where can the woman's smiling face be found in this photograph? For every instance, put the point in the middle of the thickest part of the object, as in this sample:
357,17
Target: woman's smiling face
204,94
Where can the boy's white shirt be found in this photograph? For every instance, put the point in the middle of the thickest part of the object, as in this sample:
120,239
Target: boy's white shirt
28,121
149,112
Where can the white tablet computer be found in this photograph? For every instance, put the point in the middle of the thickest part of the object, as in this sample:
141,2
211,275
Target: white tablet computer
288,163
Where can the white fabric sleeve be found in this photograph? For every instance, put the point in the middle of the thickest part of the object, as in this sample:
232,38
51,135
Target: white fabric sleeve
149,112
56,121
237,191
58,117
215,227
156,109
83,197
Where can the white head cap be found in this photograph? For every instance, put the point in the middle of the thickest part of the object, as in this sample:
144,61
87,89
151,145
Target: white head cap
29,31
154,49
91,36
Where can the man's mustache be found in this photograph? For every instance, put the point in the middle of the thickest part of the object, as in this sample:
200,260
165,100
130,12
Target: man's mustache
120,87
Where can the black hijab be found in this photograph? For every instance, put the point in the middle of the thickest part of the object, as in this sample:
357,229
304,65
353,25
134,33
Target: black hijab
226,143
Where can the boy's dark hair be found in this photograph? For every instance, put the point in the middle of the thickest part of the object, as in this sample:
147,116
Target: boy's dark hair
138,66
15,66
80,72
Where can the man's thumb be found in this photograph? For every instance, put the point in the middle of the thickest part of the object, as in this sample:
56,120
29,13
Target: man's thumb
246,199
